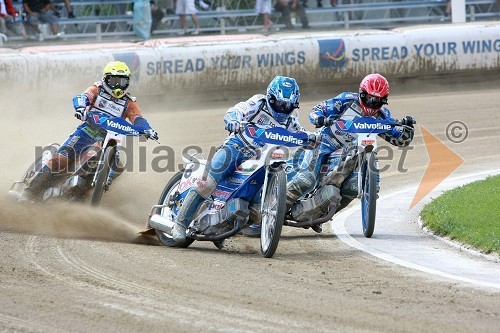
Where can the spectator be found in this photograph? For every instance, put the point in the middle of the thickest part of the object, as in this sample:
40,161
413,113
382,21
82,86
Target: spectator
69,11
156,15
263,7
187,7
319,3
41,11
447,11
11,20
203,5
285,6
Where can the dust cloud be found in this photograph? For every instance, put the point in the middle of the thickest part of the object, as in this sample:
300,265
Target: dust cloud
37,120
62,220
42,117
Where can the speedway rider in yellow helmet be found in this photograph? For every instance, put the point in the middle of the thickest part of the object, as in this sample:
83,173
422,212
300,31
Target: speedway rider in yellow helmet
109,96
116,78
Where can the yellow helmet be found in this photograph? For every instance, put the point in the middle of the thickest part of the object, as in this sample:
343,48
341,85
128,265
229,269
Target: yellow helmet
116,78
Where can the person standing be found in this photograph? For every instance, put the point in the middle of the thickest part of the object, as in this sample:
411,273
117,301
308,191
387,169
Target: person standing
187,7
263,7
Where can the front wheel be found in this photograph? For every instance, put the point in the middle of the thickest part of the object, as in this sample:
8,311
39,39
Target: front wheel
167,193
102,175
369,195
273,212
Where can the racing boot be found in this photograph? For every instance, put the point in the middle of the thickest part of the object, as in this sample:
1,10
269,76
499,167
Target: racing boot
301,184
317,228
111,175
41,181
189,207
116,170
255,218
253,230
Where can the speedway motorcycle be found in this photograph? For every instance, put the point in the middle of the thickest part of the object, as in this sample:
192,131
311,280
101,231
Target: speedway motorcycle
90,170
319,205
227,211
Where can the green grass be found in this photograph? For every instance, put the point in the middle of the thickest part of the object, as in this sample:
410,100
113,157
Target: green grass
469,214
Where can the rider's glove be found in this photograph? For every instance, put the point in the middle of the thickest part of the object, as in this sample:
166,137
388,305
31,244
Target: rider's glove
320,120
324,121
329,121
233,126
408,121
71,14
312,138
151,134
81,114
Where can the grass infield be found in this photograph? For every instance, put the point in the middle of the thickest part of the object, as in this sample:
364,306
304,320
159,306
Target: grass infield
469,214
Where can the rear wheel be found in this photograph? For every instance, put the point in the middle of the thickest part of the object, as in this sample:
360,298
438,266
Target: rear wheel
102,176
273,213
47,153
369,195
168,193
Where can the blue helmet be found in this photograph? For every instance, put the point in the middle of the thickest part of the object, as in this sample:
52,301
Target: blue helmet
282,97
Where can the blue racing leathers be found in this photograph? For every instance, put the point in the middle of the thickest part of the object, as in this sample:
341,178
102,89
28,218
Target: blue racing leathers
237,148
95,99
333,145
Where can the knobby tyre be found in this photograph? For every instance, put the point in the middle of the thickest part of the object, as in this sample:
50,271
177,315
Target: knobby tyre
168,191
37,165
273,213
369,195
102,176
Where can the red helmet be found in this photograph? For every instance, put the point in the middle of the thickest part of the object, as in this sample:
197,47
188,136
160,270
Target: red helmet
373,93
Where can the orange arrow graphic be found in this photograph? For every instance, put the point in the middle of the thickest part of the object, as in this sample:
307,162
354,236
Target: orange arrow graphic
443,161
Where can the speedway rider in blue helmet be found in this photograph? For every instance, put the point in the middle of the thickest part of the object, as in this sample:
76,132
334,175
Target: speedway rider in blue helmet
369,102
275,109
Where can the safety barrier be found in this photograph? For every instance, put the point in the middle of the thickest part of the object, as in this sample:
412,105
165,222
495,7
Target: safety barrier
108,18
360,14
232,61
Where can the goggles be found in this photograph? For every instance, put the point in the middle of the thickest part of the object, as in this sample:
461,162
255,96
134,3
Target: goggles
117,82
282,107
371,101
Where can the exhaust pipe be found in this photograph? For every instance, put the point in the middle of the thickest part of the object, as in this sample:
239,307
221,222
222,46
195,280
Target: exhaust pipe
161,223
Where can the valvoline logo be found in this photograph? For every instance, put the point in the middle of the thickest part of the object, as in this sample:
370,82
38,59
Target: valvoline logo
254,131
121,127
99,120
343,125
118,125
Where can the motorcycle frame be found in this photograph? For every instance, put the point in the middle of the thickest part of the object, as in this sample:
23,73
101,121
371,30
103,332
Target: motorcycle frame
111,139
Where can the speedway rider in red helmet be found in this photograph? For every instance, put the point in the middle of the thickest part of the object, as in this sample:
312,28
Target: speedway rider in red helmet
369,102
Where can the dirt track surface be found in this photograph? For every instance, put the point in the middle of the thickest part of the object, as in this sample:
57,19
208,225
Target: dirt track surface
70,268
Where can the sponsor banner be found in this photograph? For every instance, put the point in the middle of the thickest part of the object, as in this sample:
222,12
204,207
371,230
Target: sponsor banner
363,125
312,58
115,124
276,135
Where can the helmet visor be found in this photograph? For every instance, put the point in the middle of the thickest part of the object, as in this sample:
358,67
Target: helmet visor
282,106
371,101
117,82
